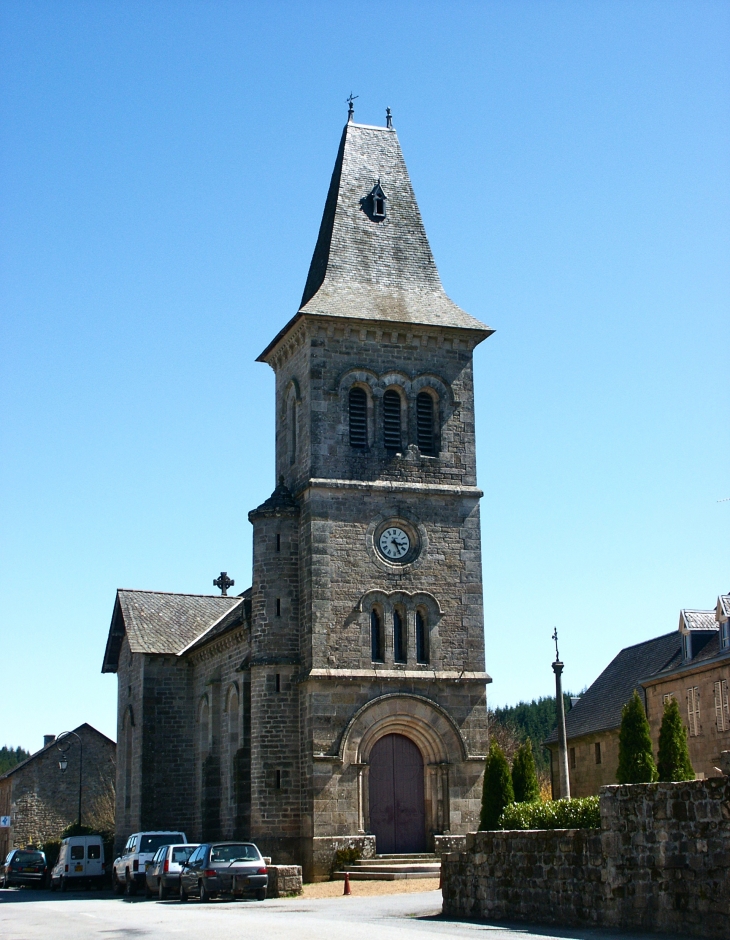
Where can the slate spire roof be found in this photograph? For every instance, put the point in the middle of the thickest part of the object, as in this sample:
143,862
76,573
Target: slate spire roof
370,268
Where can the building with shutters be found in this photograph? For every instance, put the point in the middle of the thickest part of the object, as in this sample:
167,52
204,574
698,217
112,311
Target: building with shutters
343,696
691,664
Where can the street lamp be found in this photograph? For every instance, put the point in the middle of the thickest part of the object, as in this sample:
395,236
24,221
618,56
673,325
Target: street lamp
63,760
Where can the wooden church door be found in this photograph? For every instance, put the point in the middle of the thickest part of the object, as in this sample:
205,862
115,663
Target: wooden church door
397,810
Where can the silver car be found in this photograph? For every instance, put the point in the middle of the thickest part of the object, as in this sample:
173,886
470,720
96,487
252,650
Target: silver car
163,872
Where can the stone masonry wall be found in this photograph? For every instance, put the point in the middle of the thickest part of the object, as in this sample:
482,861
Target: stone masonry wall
661,861
42,801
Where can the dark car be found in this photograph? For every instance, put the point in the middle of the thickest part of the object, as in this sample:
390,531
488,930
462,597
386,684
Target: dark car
23,867
233,868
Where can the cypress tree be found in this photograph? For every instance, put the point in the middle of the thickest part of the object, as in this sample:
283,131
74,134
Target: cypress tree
673,759
524,774
497,791
635,758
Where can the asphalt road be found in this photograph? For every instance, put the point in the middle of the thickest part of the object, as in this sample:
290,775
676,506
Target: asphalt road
26,914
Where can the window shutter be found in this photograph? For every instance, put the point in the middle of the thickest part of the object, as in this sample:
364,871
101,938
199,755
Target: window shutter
719,711
693,711
726,704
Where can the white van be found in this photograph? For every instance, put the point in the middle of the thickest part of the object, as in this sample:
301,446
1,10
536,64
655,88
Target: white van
80,861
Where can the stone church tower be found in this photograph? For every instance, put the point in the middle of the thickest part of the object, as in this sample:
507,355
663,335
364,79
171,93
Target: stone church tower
357,657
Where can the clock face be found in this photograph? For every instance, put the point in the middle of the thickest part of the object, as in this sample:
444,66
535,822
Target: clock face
394,543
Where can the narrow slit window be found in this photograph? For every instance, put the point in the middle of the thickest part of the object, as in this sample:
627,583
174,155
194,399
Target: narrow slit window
278,780
572,758
598,752
425,424
293,432
421,638
358,418
399,637
278,682
391,420
278,607
278,542
376,637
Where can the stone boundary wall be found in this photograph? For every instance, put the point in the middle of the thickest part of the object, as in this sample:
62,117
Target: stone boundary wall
284,881
660,861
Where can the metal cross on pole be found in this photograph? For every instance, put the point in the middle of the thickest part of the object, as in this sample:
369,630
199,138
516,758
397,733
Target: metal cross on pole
563,772
223,582
351,107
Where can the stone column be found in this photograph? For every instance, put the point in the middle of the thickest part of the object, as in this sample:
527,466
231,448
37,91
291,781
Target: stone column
563,773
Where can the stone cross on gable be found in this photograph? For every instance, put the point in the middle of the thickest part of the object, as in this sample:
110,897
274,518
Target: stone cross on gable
223,582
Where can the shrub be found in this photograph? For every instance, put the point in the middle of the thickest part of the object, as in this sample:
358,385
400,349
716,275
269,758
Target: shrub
554,814
635,758
497,791
524,774
343,858
673,759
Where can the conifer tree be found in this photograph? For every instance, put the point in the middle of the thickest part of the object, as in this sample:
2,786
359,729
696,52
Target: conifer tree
497,791
673,759
524,774
635,758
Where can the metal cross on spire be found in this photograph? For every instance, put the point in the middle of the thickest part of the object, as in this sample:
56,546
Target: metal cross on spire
555,637
223,582
351,107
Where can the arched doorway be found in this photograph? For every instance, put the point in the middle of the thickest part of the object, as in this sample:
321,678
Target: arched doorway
397,810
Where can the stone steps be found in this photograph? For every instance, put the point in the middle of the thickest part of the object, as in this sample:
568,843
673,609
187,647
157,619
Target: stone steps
392,868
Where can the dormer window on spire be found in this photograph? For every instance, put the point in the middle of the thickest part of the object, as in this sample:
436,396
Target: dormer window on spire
378,197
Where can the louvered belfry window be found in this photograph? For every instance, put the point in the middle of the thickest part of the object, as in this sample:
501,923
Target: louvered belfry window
425,430
358,418
391,420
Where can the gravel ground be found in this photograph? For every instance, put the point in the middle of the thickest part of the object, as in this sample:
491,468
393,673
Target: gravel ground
334,889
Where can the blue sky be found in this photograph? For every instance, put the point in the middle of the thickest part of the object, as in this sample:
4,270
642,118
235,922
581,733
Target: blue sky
163,168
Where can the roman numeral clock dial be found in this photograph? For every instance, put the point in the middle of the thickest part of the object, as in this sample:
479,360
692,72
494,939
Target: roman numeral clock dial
394,543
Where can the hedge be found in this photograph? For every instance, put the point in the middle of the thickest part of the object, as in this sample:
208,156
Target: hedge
554,814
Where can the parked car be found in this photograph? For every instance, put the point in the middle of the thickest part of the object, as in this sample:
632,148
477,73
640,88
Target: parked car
235,868
23,867
128,871
163,872
80,861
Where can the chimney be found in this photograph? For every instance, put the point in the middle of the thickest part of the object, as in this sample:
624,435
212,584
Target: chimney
48,739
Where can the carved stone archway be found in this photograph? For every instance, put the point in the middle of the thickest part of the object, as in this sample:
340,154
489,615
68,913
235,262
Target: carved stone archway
429,727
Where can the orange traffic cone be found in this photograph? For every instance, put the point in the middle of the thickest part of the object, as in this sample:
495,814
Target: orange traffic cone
347,884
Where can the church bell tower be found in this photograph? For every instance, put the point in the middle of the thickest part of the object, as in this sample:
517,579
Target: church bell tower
367,681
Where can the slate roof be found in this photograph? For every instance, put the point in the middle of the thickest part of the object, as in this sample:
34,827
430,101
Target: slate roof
599,708
723,605
370,269
698,620
280,501
47,747
160,622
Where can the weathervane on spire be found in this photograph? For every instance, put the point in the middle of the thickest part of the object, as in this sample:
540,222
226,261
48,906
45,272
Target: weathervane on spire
351,107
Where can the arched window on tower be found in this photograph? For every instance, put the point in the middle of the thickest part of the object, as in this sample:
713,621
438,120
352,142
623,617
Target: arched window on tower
400,641
232,721
293,416
358,407
376,636
422,654
391,420
426,425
